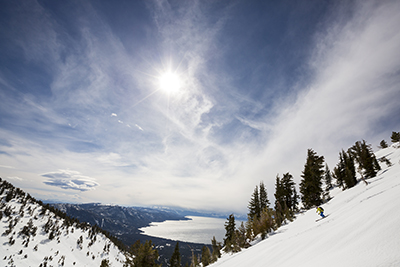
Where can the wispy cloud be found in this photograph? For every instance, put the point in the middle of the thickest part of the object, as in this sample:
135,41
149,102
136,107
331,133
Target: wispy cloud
67,179
354,87
97,108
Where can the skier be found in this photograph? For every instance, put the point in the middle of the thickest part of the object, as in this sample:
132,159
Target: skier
320,211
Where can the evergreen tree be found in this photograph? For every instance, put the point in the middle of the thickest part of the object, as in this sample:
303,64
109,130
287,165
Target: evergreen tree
254,205
395,137
328,183
345,171
241,236
365,157
350,170
216,249
286,198
229,229
264,202
175,260
205,256
231,243
145,254
328,179
279,201
104,263
290,195
258,202
311,183
266,222
383,144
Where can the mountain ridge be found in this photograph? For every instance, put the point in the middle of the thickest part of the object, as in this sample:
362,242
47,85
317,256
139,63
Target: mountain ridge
36,234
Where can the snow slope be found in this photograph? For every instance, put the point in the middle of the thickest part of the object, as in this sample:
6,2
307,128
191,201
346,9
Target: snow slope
362,229
60,245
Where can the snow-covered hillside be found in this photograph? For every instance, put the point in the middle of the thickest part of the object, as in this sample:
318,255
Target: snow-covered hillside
31,235
362,229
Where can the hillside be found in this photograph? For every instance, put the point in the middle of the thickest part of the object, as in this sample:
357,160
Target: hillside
124,223
117,218
361,229
31,234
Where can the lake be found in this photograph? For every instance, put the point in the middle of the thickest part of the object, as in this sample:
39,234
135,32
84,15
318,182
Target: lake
196,230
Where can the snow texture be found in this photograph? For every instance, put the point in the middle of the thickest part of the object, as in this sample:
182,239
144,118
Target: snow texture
68,246
362,228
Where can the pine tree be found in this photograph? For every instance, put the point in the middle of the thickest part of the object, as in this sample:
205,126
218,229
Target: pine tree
345,171
175,260
383,144
258,202
230,240
395,137
145,254
290,194
216,249
205,256
229,228
267,222
286,198
279,201
104,263
254,205
328,179
311,183
350,170
365,157
241,235
264,202
328,183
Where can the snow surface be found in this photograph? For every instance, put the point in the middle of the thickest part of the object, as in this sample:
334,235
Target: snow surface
362,228
63,250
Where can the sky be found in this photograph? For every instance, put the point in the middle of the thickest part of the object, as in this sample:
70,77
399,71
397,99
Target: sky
189,103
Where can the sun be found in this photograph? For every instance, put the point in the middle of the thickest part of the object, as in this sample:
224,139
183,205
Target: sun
170,82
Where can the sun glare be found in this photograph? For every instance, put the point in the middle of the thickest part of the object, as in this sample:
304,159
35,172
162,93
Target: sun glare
170,82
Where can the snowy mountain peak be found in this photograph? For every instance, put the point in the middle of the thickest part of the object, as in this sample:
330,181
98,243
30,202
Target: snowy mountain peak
33,234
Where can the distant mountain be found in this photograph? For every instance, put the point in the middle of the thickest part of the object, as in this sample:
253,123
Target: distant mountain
124,223
34,234
116,219
191,212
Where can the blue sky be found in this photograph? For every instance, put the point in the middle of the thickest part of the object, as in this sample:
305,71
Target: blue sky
83,117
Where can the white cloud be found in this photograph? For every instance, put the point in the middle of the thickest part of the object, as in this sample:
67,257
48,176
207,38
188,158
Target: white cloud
67,179
354,87
140,128
7,167
15,178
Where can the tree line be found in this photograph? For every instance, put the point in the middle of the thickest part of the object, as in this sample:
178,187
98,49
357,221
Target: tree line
316,182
